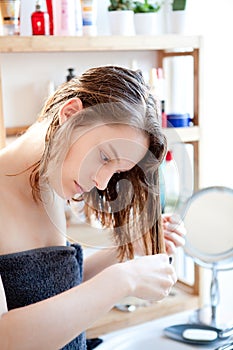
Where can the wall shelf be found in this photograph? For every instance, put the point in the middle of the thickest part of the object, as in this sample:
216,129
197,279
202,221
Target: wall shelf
99,43
190,134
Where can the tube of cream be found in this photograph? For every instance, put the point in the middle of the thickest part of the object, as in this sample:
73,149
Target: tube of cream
89,16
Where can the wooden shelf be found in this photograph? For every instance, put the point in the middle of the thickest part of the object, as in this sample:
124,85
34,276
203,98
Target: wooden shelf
99,43
190,134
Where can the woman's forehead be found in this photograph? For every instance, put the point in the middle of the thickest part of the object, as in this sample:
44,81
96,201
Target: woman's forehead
122,131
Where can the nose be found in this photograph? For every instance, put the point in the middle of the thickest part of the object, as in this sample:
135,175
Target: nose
102,178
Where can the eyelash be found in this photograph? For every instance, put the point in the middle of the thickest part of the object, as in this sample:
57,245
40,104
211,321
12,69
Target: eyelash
104,158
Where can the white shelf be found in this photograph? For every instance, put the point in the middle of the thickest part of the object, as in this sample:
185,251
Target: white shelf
11,44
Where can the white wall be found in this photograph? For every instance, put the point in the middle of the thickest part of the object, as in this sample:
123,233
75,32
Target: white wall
211,19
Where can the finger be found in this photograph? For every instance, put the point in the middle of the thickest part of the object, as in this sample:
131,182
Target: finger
165,217
172,218
178,229
170,248
178,240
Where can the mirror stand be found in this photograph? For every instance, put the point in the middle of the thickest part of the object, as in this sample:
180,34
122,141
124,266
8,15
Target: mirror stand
212,315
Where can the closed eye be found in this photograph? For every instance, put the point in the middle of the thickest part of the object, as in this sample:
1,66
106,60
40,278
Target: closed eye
104,157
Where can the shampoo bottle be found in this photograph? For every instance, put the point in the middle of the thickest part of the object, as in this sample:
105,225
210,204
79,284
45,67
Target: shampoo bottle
40,21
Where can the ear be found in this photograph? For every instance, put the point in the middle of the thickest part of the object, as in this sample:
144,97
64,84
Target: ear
69,108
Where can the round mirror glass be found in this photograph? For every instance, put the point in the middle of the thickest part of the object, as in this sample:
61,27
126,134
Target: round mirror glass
208,217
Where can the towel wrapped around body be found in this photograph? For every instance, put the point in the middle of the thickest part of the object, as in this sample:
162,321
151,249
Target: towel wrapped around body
37,274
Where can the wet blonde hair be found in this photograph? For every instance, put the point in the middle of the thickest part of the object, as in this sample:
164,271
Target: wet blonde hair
115,95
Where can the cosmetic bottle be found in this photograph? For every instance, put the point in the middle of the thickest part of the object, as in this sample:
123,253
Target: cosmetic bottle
9,17
40,21
161,93
49,5
27,7
68,25
89,16
78,18
56,8
171,183
156,83
70,75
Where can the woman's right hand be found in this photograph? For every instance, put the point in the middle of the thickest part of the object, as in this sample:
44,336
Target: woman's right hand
149,277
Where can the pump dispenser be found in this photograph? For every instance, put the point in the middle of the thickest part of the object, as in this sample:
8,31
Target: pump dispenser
40,21
70,75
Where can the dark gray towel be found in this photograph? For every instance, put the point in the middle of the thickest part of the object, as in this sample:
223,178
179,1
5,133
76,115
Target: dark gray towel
34,275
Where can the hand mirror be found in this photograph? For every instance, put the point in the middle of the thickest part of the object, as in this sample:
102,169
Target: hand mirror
208,217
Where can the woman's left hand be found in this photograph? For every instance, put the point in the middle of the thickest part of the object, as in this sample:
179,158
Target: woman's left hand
174,232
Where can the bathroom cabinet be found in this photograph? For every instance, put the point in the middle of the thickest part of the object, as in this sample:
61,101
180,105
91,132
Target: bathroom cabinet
160,46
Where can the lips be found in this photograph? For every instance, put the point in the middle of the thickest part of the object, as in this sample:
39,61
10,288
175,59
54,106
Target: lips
79,189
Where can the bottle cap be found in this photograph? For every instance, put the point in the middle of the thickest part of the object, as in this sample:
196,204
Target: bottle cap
38,5
71,74
169,156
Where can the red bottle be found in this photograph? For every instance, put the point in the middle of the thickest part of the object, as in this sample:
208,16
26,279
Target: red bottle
40,21
49,4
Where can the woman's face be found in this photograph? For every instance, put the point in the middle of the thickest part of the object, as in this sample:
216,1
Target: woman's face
96,155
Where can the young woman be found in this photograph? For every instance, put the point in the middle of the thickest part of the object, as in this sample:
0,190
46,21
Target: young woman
98,139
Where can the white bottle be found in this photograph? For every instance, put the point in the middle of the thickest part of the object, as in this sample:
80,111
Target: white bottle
89,16
171,183
27,7
78,18
56,5
68,25
64,21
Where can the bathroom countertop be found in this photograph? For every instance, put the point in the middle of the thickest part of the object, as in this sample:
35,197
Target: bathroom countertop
150,335
115,320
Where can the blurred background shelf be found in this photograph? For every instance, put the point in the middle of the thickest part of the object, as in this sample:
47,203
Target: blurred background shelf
98,43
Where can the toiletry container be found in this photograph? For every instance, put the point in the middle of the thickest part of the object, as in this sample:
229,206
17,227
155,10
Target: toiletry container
64,22
178,120
171,183
89,16
78,18
40,21
68,26
9,17
157,90
70,75
49,4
